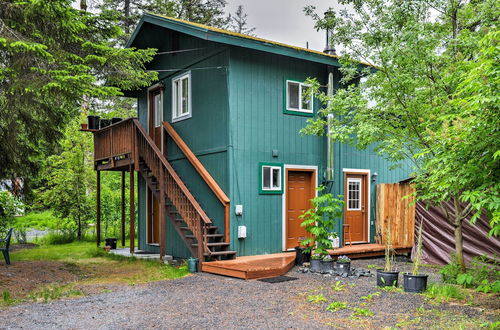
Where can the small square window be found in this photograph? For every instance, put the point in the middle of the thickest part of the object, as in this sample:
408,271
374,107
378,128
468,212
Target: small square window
299,97
181,97
270,175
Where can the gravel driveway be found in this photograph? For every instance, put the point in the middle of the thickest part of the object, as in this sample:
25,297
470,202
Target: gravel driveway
209,301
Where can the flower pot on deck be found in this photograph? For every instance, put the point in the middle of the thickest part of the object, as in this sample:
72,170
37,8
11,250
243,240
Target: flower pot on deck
387,278
415,283
93,122
316,265
301,256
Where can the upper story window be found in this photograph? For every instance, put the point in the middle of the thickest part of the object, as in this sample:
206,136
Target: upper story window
181,97
298,98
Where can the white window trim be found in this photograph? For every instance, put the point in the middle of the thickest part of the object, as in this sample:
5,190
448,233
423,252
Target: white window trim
300,98
174,98
271,188
160,110
358,180
283,197
368,191
155,86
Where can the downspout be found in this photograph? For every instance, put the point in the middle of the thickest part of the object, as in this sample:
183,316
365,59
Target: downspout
330,145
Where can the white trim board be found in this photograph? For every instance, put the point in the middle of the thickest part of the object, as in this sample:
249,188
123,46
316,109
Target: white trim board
368,183
283,197
155,86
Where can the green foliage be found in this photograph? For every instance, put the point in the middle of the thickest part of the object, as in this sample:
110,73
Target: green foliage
482,274
417,262
369,297
465,280
336,305
486,287
49,71
362,312
316,299
42,220
319,222
7,299
338,286
445,292
9,206
53,292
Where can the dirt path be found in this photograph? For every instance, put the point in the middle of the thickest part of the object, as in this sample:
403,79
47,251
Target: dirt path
209,301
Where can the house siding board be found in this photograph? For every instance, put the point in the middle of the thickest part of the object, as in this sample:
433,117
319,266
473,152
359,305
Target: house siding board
205,132
258,125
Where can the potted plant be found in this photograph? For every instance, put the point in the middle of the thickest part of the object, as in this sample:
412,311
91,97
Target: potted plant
326,263
318,221
414,281
301,255
343,265
316,262
388,276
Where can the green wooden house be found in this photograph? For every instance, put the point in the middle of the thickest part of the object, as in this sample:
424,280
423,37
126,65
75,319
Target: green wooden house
225,116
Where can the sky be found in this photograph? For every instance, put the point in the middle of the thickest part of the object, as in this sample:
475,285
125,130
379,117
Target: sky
284,20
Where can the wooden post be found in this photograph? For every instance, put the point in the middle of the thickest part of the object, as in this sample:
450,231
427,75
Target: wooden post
132,210
162,213
98,209
123,208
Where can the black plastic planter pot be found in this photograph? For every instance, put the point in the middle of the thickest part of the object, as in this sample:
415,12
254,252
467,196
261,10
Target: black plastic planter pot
415,283
387,278
105,123
115,120
93,122
343,267
326,265
301,256
316,265
111,242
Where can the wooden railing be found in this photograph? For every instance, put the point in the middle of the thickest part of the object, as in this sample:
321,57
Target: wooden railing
172,186
205,175
114,140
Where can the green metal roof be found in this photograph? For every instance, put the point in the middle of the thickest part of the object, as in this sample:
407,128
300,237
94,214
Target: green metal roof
233,38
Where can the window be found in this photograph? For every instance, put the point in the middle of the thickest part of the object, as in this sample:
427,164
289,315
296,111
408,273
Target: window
158,109
181,97
298,98
353,194
270,178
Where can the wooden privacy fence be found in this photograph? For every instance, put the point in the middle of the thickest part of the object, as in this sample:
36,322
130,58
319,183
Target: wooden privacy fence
396,212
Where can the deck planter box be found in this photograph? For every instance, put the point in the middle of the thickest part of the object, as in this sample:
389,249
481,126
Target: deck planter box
93,122
414,283
316,265
301,256
343,267
387,278
111,242
326,265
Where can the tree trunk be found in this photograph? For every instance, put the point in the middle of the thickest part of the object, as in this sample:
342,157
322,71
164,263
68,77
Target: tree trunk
459,245
126,11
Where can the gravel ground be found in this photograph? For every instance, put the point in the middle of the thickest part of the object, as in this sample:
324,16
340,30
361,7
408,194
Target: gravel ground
210,301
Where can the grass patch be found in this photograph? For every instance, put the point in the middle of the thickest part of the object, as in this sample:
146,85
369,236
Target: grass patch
369,297
71,251
362,312
445,292
316,299
44,220
336,305
53,292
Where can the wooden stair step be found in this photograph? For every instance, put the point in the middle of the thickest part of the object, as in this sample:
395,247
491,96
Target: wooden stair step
213,244
208,236
208,228
220,253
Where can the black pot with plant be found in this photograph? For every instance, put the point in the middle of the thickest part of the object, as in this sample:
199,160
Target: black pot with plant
388,276
93,122
327,264
301,255
414,281
316,263
318,221
343,265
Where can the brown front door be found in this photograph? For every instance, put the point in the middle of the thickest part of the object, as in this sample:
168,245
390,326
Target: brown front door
155,131
355,208
300,187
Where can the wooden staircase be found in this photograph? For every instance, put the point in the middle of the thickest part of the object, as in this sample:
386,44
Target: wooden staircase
127,145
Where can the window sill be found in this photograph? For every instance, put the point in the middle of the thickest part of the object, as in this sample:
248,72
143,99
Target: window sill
299,113
181,118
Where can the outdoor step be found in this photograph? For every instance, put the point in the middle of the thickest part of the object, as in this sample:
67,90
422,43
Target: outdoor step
208,228
208,236
213,244
220,253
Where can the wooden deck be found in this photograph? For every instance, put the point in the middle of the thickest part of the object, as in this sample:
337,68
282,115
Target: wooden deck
252,267
367,250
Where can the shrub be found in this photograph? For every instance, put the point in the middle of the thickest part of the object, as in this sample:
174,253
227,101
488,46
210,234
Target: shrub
444,292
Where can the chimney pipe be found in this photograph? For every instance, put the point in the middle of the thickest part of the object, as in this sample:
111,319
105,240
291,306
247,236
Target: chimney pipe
329,48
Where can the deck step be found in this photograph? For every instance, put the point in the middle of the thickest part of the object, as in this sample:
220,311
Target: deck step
208,228
213,244
220,253
208,236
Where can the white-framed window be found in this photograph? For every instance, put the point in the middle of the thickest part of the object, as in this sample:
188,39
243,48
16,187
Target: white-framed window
271,178
181,97
158,108
299,97
354,194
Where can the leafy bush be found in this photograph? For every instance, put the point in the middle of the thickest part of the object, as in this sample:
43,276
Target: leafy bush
9,206
319,222
482,274
444,292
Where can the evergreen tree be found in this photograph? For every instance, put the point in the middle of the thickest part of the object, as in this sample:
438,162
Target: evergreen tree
238,22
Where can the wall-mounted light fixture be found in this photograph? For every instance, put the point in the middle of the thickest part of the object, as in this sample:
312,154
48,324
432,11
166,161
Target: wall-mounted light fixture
374,176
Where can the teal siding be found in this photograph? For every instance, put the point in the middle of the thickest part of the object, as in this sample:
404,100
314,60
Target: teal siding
258,126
